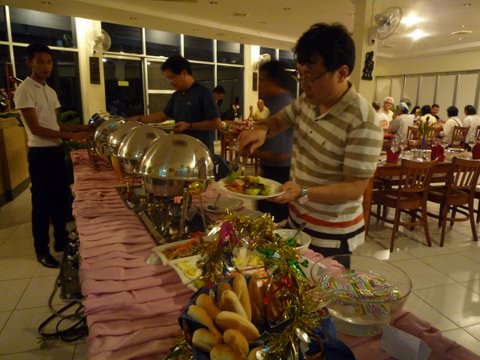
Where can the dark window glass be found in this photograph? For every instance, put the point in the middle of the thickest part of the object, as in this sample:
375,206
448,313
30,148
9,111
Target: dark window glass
229,52
270,51
198,48
161,43
157,102
4,58
203,74
156,79
3,24
231,78
29,26
123,87
125,39
65,78
288,58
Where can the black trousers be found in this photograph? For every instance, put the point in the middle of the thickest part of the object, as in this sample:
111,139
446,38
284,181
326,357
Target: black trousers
48,176
282,175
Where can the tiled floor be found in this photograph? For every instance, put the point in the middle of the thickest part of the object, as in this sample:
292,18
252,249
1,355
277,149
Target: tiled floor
446,283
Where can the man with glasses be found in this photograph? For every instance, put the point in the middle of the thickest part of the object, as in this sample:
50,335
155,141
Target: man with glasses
192,105
337,141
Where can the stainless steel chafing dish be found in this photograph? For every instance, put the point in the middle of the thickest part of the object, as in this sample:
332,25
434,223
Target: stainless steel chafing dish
102,133
116,136
134,145
176,162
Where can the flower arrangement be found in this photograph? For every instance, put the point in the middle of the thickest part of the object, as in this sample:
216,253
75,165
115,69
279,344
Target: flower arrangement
301,325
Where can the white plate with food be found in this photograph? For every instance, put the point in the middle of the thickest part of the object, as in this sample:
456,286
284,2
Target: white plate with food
223,204
179,250
250,187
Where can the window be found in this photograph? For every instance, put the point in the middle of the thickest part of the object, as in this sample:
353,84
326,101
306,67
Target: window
160,43
64,79
198,48
156,79
229,52
203,73
3,24
125,39
4,58
288,58
123,87
157,102
29,26
231,78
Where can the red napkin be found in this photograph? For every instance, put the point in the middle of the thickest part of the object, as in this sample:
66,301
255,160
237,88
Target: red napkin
476,152
392,157
437,153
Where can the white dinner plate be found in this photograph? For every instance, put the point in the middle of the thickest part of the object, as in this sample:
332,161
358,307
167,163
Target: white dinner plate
274,185
223,204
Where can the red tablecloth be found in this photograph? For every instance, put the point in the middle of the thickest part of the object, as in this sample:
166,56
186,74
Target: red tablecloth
132,307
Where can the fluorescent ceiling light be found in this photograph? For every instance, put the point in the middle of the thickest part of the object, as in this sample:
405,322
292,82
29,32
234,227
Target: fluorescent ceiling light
417,34
411,19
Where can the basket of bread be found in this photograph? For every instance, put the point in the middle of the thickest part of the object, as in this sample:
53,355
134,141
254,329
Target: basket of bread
268,312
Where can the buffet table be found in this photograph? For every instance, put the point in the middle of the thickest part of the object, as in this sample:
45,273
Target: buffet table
132,307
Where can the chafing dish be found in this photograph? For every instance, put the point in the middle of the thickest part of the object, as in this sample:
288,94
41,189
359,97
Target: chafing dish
173,163
133,147
102,133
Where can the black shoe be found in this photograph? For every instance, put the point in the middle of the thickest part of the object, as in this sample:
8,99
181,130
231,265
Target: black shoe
48,260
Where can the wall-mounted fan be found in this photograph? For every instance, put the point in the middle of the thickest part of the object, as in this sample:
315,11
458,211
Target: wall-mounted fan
385,24
99,41
262,59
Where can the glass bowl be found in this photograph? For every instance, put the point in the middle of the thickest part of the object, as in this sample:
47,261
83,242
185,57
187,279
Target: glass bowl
363,297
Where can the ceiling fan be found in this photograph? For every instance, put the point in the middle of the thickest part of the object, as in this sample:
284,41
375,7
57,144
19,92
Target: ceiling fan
386,23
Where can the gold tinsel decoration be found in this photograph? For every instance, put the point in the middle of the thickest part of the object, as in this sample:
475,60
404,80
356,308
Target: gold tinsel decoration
285,269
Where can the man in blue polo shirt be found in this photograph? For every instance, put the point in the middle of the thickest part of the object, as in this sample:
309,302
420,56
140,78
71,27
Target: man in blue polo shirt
192,105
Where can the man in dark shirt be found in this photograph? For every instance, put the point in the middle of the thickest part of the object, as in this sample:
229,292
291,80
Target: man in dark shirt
192,105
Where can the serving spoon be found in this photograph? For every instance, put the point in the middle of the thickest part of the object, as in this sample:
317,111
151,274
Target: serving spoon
214,205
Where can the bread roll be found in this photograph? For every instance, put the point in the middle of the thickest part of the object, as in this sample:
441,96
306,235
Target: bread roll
232,303
236,340
206,302
205,340
221,287
200,314
275,308
240,288
225,352
231,320
256,291
253,354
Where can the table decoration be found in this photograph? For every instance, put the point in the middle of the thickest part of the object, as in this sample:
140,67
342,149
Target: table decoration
301,328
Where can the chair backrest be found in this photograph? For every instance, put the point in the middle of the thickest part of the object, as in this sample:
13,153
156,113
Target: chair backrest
412,133
477,133
459,136
464,175
415,176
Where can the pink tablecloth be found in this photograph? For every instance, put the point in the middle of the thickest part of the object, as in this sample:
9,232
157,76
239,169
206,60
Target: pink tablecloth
132,307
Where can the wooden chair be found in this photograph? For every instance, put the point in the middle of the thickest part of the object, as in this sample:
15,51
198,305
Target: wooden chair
459,137
477,133
459,190
409,197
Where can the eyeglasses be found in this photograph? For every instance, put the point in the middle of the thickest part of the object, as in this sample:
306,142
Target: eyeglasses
310,79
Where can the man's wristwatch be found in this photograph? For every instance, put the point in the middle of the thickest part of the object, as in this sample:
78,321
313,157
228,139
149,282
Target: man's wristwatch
304,196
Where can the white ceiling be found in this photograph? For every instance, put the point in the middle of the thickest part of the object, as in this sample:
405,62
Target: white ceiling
278,23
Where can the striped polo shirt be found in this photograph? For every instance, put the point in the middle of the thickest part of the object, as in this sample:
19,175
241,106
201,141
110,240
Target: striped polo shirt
345,141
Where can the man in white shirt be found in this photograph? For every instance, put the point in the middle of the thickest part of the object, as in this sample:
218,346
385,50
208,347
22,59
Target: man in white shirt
387,107
262,112
38,104
472,120
453,120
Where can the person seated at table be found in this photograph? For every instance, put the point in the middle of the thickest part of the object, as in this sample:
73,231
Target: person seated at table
192,105
218,94
399,125
387,107
426,111
381,116
472,120
261,112
453,120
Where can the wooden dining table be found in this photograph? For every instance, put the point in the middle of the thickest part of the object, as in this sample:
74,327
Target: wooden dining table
390,170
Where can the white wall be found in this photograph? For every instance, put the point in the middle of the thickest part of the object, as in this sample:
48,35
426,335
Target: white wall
93,95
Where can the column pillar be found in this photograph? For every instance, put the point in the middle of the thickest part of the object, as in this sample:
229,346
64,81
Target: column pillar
361,26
